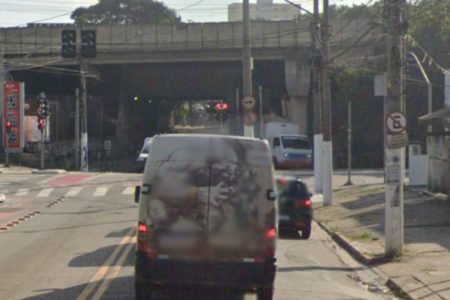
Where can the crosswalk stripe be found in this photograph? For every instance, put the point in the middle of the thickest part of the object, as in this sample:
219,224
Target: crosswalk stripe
22,192
100,191
73,191
128,191
45,193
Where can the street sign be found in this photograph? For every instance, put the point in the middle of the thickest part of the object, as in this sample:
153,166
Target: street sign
13,115
249,118
396,123
396,141
248,102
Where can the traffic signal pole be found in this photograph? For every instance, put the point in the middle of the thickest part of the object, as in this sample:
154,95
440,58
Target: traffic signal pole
3,75
84,124
77,129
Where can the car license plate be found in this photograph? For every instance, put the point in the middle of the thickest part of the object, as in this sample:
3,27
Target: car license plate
284,218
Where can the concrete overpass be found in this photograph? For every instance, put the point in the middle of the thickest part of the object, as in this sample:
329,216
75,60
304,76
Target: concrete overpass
213,47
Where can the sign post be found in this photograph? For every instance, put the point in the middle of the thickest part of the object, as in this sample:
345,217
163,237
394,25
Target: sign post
13,118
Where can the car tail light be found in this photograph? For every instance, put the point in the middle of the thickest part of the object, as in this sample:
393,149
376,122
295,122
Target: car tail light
304,203
283,180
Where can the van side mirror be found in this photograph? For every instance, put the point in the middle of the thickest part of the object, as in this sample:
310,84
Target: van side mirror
271,195
137,193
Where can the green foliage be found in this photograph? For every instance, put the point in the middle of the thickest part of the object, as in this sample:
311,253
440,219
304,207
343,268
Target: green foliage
144,12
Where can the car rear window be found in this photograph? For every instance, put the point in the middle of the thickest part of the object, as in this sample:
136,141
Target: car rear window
298,189
295,142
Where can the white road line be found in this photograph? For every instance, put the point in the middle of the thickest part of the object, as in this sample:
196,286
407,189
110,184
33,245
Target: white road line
101,191
73,192
45,193
22,192
128,191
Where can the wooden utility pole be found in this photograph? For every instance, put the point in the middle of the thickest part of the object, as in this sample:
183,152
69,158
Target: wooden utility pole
249,131
327,148
317,98
395,124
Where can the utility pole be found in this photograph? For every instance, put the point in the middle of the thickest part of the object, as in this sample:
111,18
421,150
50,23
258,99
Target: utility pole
395,128
261,113
77,129
349,145
327,148
249,131
317,98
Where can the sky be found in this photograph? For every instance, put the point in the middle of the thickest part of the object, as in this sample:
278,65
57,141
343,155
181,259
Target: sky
21,12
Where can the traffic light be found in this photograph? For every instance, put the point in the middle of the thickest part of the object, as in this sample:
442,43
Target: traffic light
41,123
69,43
8,125
221,111
88,43
45,110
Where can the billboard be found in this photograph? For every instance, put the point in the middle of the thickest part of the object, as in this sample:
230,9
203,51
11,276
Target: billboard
13,114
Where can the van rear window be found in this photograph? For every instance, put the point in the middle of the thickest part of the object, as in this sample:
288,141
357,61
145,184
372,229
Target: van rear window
295,142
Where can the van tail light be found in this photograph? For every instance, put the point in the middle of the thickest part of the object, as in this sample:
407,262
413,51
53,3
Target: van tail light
304,203
269,253
142,237
271,233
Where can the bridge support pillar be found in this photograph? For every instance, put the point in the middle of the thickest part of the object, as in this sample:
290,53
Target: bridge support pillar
297,76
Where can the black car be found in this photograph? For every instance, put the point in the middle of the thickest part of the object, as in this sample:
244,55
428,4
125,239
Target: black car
294,206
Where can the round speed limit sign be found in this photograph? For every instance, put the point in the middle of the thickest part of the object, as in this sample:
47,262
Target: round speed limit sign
396,123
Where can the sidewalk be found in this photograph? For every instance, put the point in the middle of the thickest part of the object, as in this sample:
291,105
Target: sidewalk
356,221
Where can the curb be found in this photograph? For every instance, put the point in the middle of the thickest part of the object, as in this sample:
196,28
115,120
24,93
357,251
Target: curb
397,289
347,246
49,172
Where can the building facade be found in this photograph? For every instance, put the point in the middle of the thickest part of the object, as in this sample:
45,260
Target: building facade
263,10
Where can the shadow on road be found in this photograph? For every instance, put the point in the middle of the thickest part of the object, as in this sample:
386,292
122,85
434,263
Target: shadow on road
97,258
123,288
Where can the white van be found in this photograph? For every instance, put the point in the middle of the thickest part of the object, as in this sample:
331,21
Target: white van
207,215
289,148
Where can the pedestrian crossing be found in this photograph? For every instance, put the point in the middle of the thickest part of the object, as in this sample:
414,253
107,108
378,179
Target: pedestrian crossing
87,191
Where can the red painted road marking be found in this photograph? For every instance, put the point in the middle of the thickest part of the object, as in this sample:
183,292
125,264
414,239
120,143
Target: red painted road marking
68,180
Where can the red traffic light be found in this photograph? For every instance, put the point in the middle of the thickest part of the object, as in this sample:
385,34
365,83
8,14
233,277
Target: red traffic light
41,122
221,106
8,124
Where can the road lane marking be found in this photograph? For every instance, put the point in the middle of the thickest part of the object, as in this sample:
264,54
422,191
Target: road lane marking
45,193
104,269
100,191
114,272
73,192
22,192
128,191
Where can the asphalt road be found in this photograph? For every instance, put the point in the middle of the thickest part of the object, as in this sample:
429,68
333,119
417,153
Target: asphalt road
79,245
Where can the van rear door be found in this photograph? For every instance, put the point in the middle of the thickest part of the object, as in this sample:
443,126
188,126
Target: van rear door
240,213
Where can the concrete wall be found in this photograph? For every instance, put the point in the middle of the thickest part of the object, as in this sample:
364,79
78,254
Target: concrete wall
438,148
418,166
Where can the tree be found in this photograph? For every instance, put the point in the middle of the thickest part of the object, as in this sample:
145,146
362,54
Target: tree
146,12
